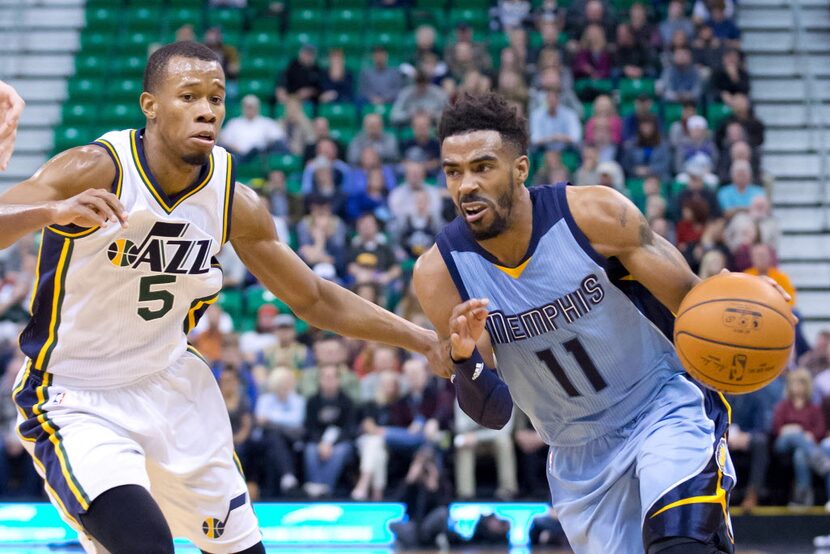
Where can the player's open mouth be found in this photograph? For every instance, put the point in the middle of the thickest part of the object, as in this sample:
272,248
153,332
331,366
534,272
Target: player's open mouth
207,138
473,211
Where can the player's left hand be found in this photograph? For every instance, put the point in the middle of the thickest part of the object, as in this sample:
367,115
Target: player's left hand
771,282
11,106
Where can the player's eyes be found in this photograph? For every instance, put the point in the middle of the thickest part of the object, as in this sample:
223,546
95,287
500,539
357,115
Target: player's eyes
451,173
217,100
187,97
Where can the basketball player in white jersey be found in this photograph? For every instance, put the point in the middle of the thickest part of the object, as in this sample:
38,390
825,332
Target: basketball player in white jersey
123,419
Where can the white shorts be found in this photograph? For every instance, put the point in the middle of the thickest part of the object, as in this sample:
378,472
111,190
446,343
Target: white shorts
168,433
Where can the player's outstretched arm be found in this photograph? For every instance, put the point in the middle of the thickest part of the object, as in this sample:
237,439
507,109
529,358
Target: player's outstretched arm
319,302
73,187
616,228
481,394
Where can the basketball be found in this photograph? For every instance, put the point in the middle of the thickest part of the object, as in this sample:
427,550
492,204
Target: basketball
734,333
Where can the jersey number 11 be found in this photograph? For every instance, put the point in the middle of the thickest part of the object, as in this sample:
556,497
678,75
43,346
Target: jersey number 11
575,349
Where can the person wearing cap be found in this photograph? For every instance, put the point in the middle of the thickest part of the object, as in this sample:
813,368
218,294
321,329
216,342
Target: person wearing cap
379,83
303,78
696,143
421,96
252,133
287,351
374,135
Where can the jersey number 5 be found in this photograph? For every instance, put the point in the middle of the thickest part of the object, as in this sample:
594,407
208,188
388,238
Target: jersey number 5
147,294
575,349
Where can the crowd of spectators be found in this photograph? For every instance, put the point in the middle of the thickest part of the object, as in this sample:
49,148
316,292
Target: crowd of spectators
656,105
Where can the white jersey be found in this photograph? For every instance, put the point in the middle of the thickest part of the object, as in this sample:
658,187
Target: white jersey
113,305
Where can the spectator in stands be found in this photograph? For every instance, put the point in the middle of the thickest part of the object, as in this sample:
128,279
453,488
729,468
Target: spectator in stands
370,161
470,440
730,78
742,114
702,199
643,31
421,96
702,9
532,455
643,108
280,417
604,109
676,21
479,56
632,60
303,78
583,13
761,213
588,171
707,51
337,83
749,434
371,258
763,264
379,84
330,350
511,59
554,127
328,183
679,130
329,425
320,132
740,235
417,231
512,13
373,134
239,411
321,235
462,60
511,86
370,198
299,130
551,167
228,56
593,59
681,80
549,34
553,75
425,45
186,33
712,263
798,425
252,133
603,140
326,157
382,412
738,150
647,153
401,199
697,143
722,25
611,175
423,146
288,351
739,193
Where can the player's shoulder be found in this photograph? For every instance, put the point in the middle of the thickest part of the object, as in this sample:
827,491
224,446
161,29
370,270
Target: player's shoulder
79,169
595,203
431,272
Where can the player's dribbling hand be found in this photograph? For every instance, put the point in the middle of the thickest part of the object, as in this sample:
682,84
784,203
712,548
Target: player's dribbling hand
11,106
466,325
91,208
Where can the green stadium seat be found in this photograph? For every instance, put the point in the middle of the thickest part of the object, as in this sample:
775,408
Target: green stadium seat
262,67
339,115
136,44
97,42
122,115
306,20
483,5
635,192
279,110
394,42
570,159
287,163
190,4
716,113
479,20
354,4
431,5
90,65
622,6
344,134
178,16
497,42
382,109
587,110
261,88
232,302
90,4
344,20
294,40
129,66
602,85
672,112
230,19
68,137
144,19
250,170
124,90
388,19
632,88
233,38
75,114
102,18
85,89
351,43
266,23
263,43
258,296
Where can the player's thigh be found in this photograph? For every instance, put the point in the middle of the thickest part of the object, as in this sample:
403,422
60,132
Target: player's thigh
196,477
686,475
75,449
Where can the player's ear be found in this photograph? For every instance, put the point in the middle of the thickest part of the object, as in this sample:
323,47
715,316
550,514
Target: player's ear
148,104
521,169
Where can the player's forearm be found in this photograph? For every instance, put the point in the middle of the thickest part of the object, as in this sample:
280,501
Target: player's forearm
17,220
345,313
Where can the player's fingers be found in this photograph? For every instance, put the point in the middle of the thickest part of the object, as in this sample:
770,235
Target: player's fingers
117,207
100,206
88,217
469,306
480,314
776,286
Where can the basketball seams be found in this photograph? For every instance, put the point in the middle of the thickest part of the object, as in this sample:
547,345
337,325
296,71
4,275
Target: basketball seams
760,348
733,300
749,386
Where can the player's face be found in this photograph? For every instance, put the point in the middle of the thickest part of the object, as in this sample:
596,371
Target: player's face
480,177
188,107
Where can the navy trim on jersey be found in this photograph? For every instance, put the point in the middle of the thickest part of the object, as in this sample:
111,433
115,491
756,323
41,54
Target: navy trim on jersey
445,247
229,208
170,201
564,209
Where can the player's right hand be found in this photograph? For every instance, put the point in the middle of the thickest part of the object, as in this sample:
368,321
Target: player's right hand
11,106
466,325
91,208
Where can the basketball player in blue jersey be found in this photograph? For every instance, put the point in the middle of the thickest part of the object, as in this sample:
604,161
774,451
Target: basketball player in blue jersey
123,418
567,294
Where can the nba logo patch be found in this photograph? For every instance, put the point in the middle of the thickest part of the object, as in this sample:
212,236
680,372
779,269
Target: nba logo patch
213,527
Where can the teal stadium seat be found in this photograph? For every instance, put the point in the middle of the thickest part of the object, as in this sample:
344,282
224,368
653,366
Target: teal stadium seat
85,89
632,88
97,42
136,44
263,43
261,88
68,137
122,115
388,20
339,115
716,113
229,19
90,65
352,43
131,67
381,109
74,114
124,90
181,15
294,40
672,111
345,20
102,19
287,163
477,19
144,19
263,67
306,20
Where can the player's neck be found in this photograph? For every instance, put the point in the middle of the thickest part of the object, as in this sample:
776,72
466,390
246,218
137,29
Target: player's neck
510,247
170,171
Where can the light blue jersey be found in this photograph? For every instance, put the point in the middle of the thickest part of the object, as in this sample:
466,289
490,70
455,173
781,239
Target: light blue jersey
578,355
638,450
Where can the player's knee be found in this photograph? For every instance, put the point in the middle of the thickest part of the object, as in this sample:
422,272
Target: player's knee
683,545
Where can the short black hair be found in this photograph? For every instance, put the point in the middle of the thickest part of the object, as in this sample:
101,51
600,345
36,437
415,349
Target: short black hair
157,64
484,112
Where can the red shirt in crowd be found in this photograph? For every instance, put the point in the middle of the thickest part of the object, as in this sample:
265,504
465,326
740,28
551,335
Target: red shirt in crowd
809,417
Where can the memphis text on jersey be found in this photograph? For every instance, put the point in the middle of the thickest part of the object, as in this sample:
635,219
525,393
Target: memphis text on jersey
163,250
544,319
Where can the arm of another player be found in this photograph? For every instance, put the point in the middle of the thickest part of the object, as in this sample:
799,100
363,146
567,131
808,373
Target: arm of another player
11,107
321,303
481,394
72,187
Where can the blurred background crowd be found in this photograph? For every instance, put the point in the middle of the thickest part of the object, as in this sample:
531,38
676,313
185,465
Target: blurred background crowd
338,137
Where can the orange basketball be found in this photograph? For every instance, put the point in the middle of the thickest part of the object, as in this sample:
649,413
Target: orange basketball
733,333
